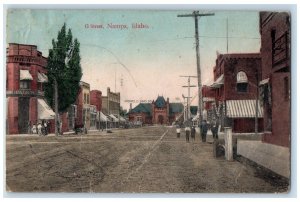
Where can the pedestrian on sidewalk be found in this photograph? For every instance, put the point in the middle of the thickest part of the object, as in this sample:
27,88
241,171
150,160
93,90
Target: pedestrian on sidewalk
214,129
193,132
187,133
178,131
204,129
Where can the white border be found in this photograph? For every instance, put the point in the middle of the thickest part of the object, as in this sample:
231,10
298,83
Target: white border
164,5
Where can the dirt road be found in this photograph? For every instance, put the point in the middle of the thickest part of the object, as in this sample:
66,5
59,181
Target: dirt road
143,160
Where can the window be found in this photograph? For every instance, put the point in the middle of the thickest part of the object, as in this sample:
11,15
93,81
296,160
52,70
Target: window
40,86
242,87
242,82
24,84
87,98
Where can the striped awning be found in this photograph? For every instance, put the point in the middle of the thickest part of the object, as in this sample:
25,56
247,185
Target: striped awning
25,75
242,109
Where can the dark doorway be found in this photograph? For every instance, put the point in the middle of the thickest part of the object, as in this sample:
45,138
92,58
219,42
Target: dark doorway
160,119
23,114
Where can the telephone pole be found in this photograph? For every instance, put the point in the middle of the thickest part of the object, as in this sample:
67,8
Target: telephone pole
195,15
189,95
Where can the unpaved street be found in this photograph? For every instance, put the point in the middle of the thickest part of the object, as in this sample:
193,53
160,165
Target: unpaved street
143,160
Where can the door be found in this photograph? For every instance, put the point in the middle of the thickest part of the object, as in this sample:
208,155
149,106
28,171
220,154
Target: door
160,119
23,114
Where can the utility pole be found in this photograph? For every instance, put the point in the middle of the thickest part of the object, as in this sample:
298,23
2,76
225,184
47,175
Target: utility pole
195,15
185,111
227,34
189,94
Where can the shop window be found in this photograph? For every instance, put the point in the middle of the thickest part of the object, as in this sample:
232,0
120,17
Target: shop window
24,84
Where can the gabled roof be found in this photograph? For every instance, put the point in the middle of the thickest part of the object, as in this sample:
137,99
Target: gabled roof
160,102
142,108
176,108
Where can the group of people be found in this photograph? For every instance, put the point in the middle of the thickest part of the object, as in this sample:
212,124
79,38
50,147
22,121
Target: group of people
204,127
40,128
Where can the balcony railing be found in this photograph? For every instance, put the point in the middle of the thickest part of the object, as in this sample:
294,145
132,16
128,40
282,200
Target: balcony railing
280,51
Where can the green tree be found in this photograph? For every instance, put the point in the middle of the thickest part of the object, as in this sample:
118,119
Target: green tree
64,66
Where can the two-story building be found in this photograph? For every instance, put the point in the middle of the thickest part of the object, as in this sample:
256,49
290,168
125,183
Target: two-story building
25,77
235,83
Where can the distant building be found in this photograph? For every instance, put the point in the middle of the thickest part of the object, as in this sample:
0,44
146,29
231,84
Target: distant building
235,84
86,114
159,111
111,103
96,100
26,75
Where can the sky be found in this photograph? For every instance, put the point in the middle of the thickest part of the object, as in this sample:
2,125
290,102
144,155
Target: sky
140,63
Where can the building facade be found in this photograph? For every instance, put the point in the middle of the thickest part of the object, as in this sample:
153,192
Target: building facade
160,111
235,84
275,81
111,103
26,75
83,105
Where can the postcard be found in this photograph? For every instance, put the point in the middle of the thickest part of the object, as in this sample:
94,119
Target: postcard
148,101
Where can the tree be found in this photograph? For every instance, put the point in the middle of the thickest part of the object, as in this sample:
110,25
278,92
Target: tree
64,66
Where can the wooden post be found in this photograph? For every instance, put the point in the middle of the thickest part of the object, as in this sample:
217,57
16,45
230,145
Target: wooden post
228,144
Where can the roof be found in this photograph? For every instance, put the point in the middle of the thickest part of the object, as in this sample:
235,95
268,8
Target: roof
176,108
160,102
142,108
242,109
240,55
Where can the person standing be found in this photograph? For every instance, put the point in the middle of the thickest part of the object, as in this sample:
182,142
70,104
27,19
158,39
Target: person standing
204,129
215,129
193,132
178,131
187,133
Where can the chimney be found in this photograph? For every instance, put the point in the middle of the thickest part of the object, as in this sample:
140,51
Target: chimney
130,106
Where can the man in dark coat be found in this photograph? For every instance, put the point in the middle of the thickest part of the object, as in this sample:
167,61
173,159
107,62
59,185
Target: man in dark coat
193,132
214,129
204,129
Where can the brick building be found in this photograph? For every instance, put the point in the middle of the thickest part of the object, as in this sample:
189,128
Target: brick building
275,82
273,152
96,100
160,111
25,77
83,115
235,84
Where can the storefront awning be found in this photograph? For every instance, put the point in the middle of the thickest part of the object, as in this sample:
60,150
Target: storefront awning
242,109
219,82
42,77
115,119
44,111
103,118
263,82
122,119
25,75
